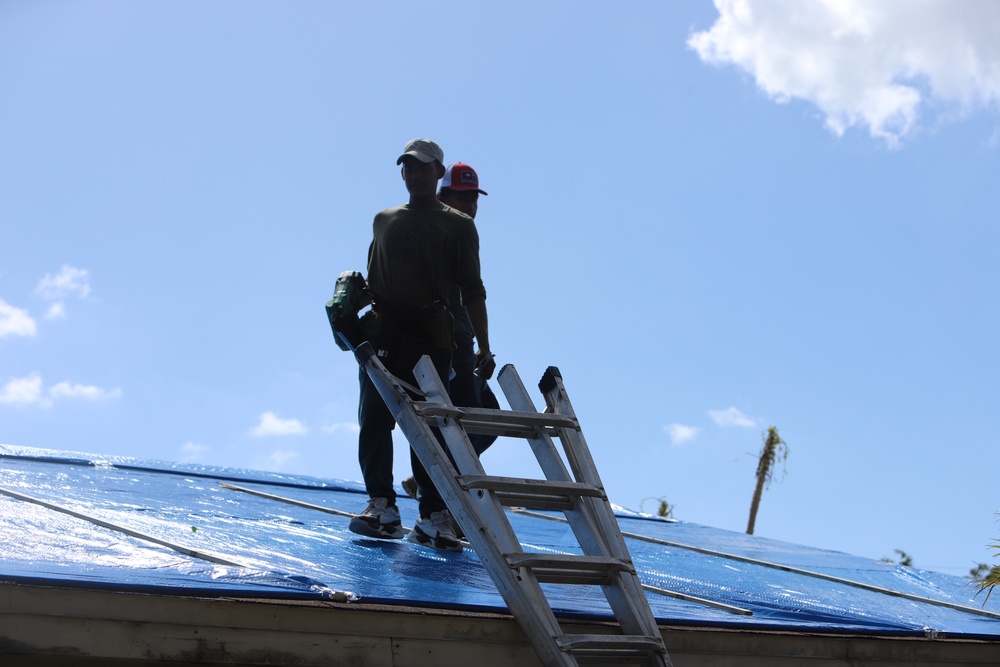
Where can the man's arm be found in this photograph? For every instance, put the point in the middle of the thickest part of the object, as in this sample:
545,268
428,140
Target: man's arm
485,364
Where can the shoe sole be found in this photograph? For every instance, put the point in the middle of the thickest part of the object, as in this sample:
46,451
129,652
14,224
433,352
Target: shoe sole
422,539
361,527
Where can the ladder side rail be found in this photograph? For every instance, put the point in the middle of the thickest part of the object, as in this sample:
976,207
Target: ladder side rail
583,523
459,445
599,508
628,599
546,453
576,449
493,536
624,593
589,524
581,461
599,512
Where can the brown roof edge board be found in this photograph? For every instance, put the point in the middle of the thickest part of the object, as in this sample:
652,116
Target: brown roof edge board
47,626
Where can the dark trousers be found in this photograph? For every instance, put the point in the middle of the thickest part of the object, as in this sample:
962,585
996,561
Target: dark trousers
468,390
399,354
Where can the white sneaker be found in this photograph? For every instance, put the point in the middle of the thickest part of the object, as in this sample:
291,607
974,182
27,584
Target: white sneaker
379,519
436,531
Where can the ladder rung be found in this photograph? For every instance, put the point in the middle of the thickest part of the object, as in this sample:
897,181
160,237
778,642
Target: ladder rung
535,501
530,493
496,483
610,648
616,658
507,430
568,569
473,418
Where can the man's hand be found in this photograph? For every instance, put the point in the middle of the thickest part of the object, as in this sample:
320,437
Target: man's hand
485,364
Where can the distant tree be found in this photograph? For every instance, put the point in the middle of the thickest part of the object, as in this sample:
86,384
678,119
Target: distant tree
904,559
774,450
663,508
987,580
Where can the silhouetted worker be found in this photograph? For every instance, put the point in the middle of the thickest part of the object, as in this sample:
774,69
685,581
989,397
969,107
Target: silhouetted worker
467,388
417,252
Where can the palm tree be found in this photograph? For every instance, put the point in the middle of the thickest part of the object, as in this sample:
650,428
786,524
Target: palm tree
991,578
775,449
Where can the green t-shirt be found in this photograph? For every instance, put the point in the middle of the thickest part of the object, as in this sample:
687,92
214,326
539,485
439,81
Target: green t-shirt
417,253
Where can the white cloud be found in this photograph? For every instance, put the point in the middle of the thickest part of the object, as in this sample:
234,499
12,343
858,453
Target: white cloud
56,311
862,63
15,321
271,424
192,452
350,427
86,392
70,281
994,139
679,433
28,390
731,417
279,457
23,391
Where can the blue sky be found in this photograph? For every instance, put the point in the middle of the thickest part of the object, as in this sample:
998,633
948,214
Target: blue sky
713,218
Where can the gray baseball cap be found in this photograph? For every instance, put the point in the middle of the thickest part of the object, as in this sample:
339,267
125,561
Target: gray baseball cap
424,150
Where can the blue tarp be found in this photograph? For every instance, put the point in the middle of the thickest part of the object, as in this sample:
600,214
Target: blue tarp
121,517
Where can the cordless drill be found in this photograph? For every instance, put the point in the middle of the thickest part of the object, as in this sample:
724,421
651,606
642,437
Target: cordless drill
349,296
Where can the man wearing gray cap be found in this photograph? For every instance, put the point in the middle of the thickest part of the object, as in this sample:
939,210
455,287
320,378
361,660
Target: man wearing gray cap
418,250
467,388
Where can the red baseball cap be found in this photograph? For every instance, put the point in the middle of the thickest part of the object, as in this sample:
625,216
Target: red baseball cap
461,176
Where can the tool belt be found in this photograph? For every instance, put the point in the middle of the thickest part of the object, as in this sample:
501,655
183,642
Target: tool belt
431,324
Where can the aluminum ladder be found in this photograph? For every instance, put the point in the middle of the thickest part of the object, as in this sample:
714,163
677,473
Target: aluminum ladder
477,501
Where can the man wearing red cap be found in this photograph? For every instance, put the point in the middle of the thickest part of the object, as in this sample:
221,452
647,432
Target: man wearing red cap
417,252
460,190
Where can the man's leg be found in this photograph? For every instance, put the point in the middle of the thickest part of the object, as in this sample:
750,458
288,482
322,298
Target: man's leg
462,389
381,517
464,386
427,494
481,441
435,527
375,441
468,390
